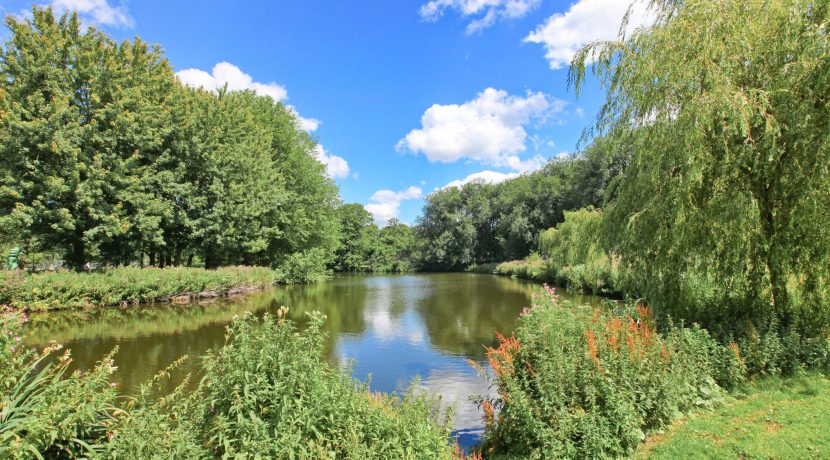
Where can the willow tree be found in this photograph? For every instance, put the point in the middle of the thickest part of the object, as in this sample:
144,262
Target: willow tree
724,105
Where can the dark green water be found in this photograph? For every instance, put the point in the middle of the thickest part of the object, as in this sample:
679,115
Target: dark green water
394,328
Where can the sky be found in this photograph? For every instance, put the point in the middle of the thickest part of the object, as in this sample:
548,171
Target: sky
404,96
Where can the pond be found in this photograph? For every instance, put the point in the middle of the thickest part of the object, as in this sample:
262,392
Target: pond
389,329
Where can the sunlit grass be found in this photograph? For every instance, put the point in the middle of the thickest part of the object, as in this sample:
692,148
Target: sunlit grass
776,418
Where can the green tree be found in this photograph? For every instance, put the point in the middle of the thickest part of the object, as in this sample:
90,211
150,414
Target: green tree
724,106
81,128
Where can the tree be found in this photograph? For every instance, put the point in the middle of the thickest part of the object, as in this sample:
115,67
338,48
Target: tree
724,106
81,127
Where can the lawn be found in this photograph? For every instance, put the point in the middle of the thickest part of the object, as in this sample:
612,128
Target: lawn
775,418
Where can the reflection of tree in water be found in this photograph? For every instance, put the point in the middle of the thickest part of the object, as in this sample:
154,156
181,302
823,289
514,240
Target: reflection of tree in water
464,312
149,338
341,301
459,312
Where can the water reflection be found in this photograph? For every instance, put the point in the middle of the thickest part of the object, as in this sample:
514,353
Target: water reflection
390,329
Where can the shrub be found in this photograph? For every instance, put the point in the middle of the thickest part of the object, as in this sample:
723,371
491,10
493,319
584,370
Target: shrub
267,393
576,382
44,411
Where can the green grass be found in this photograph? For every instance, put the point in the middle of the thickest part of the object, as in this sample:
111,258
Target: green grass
118,286
776,418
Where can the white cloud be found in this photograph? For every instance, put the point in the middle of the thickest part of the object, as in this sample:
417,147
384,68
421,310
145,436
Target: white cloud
488,130
486,177
97,12
483,13
307,124
385,204
335,166
226,73
563,34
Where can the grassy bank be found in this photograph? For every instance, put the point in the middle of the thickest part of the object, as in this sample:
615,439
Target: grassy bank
574,382
776,418
267,393
118,286
599,276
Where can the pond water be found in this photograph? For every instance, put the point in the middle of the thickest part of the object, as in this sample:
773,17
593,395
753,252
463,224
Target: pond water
390,329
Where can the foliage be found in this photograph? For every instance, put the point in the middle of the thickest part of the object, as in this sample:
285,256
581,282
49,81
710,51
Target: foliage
368,249
44,410
481,223
267,392
720,215
581,383
774,418
575,254
66,290
106,157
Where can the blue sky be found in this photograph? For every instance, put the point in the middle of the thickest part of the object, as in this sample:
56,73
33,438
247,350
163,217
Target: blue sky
404,96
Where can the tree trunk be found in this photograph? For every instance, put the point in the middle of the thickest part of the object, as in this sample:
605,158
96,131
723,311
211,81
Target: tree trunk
177,260
152,261
190,260
775,268
77,257
210,259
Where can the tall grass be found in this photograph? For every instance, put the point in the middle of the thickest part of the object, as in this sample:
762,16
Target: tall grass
130,285
268,393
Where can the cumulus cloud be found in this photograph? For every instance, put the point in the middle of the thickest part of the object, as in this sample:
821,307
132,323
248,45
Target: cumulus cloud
307,124
90,12
485,177
335,166
385,204
225,73
489,129
483,13
563,34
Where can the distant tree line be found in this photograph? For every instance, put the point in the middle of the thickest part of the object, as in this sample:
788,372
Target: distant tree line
481,222
105,156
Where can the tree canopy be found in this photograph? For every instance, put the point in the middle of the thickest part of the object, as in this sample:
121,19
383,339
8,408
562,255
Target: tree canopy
105,156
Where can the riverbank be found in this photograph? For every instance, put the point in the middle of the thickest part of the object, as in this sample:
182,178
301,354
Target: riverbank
127,286
598,277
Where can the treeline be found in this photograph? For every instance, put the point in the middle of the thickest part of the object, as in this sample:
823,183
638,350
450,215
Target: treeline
480,223
105,156
365,248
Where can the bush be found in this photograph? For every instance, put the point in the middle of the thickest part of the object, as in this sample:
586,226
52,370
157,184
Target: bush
64,289
268,392
580,383
44,411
